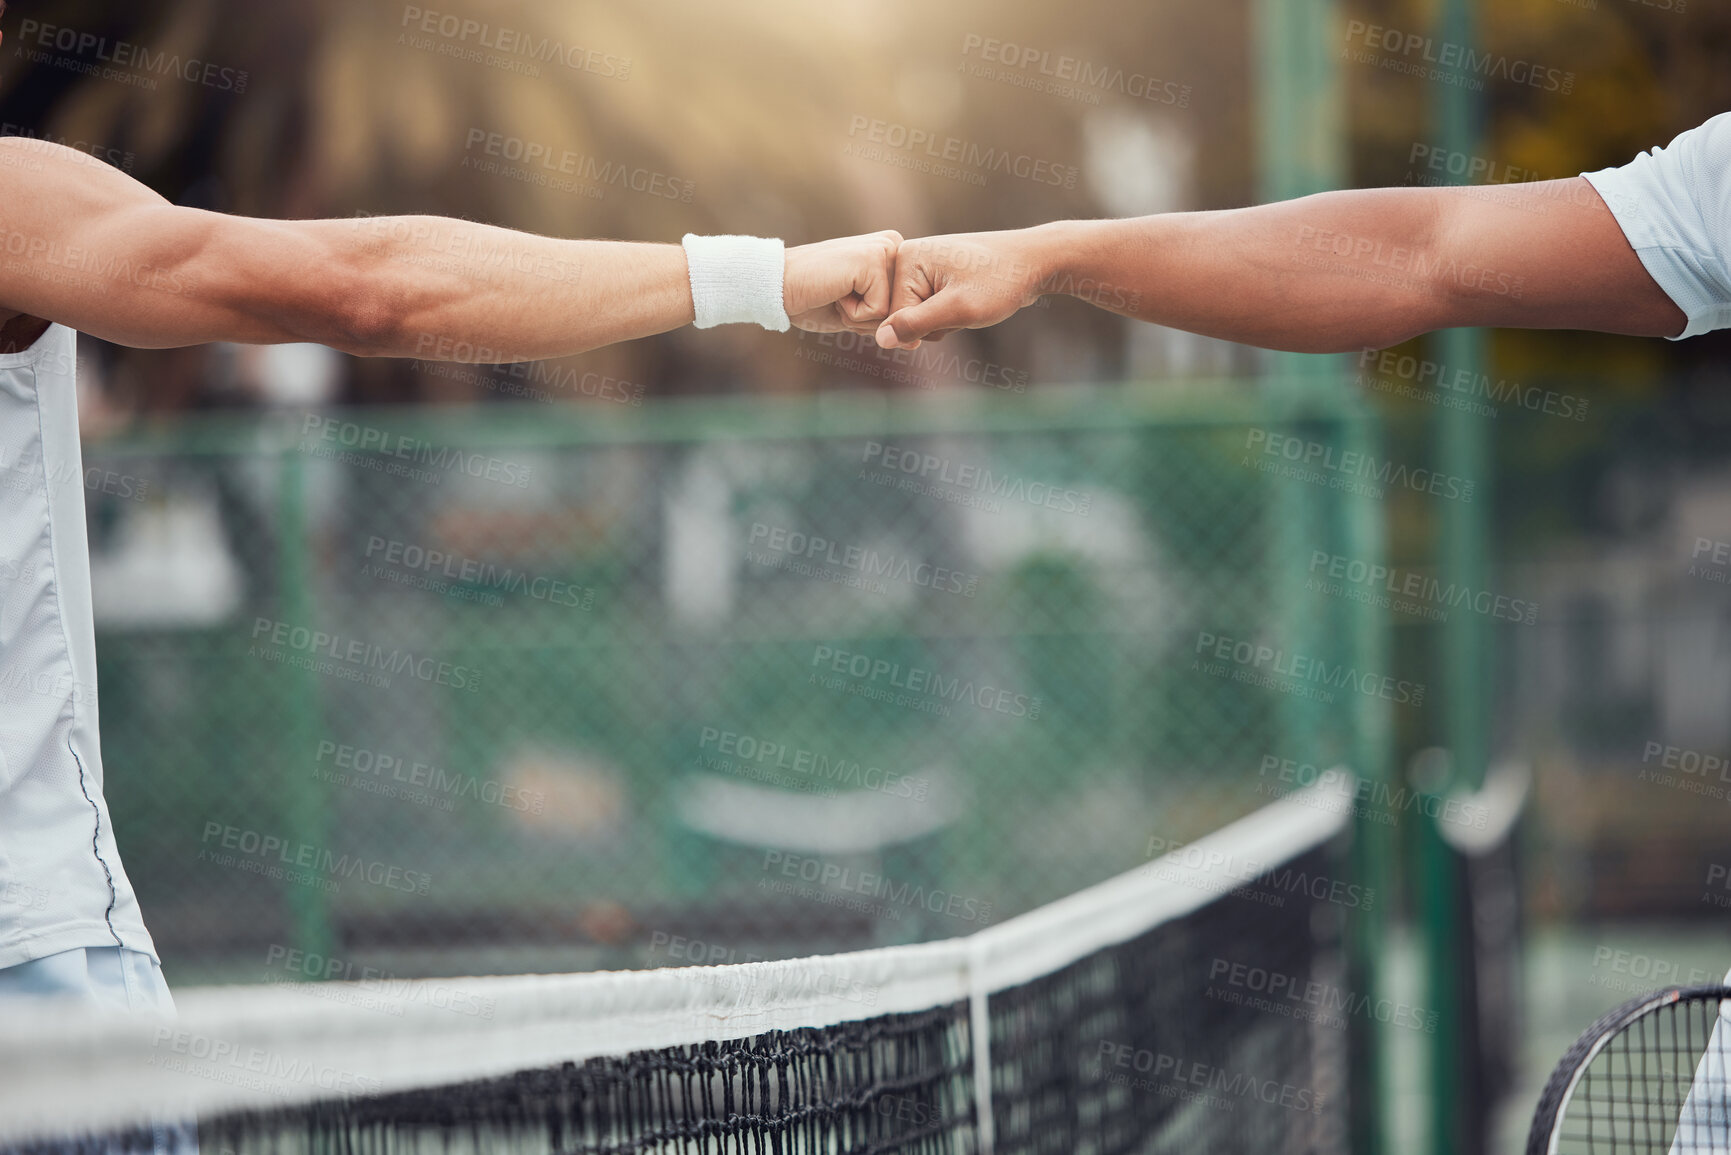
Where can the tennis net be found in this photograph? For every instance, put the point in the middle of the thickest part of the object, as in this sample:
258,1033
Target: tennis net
1195,1004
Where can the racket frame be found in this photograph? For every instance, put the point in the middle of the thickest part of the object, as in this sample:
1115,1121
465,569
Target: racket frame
1546,1132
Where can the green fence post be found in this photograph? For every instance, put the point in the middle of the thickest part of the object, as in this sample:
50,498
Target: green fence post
1461,452
1372,753
1301,143
306,805
1300,130
1436,900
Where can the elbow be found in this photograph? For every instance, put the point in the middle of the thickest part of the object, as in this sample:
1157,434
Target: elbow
291,281
364,319
347,300
1398,321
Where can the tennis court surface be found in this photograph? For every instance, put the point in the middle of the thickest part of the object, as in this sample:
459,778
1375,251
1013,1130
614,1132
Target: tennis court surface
1194,1004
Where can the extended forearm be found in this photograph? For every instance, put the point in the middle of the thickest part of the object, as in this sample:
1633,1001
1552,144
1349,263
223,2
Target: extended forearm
1269,275
1350,270
443,289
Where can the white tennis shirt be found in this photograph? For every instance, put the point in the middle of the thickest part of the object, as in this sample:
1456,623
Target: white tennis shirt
61,884
1674,206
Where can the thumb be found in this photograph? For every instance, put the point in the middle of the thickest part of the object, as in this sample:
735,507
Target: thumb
907,327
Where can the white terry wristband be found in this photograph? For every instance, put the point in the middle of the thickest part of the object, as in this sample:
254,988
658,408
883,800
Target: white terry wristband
736,279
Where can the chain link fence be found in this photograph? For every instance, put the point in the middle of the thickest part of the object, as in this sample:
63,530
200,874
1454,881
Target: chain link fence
532,689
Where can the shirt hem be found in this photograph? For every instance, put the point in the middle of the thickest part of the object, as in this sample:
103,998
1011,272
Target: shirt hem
67,936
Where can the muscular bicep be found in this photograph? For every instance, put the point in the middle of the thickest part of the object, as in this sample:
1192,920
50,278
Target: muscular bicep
1543,255
56,261
87,246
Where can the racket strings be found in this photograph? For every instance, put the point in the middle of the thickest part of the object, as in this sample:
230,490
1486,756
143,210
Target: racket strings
1660,1085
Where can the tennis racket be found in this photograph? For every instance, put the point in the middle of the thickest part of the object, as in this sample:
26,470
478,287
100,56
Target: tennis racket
1652,1077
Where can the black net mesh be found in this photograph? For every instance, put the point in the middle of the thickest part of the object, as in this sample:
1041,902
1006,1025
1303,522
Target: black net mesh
897,1084
1174,1041
1223,1030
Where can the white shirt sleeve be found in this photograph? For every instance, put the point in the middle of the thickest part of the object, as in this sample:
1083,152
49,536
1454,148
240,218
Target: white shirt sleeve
1674,206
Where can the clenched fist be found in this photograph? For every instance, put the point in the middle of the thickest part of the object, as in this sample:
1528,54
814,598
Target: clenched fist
841,284
965,281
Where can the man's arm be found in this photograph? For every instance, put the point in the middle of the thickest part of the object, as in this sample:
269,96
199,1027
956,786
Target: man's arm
1336,272
86,245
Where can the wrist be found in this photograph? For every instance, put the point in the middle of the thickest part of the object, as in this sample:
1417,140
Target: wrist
1051,257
